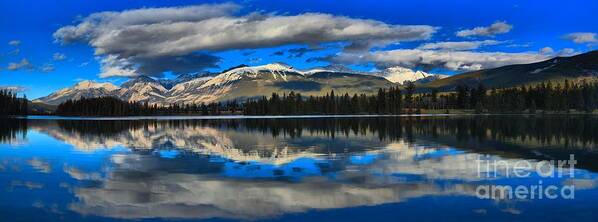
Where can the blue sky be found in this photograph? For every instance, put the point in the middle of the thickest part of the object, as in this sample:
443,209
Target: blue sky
38,58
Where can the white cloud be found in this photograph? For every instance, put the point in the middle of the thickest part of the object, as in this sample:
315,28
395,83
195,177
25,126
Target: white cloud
15,52
111,65
563,52
40,165
23,64
254,60
155,33
581,37
78,174
15,89
546,51
498,27
520,45
229,32
452,60
14,43
566,52
458,46
48,67
99,23
58,56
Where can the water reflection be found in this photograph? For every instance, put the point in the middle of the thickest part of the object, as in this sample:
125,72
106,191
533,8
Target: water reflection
12,130
147,186
267,169
281,140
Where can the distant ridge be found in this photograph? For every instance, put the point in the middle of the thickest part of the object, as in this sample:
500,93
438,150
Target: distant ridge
237,83
245,82
578,67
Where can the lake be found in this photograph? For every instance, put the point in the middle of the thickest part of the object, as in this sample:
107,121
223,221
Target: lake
412,168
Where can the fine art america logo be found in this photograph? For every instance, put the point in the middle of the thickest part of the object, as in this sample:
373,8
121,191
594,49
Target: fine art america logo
526,170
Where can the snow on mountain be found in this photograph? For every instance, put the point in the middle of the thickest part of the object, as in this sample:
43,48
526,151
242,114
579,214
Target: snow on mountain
143,89
192,91
238,82
87,89
276,70
194,83
397,74
402,75
431,78
138,80
169,83
331,68
94,85
219,86
253,71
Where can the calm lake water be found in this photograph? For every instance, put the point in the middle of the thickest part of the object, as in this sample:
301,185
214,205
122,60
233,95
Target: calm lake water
309,169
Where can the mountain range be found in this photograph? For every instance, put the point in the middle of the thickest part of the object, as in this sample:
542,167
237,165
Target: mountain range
245,82
574,68
242,82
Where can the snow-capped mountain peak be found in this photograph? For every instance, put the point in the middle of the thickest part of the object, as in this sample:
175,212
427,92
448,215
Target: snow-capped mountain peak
276,70
181,87
330,68
87,84
402,75
272,67
276,67
139,79
83,89
239,82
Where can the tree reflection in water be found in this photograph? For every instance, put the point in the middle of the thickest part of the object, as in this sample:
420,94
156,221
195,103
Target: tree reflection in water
267,168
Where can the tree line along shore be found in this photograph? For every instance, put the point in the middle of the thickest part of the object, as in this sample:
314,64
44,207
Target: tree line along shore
540,98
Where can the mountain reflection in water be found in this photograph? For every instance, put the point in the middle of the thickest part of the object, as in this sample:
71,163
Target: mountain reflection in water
252,169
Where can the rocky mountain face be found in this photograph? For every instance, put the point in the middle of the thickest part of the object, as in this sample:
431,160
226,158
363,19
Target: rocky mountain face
240,83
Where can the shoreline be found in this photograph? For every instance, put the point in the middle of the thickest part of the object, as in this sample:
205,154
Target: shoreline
224,117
